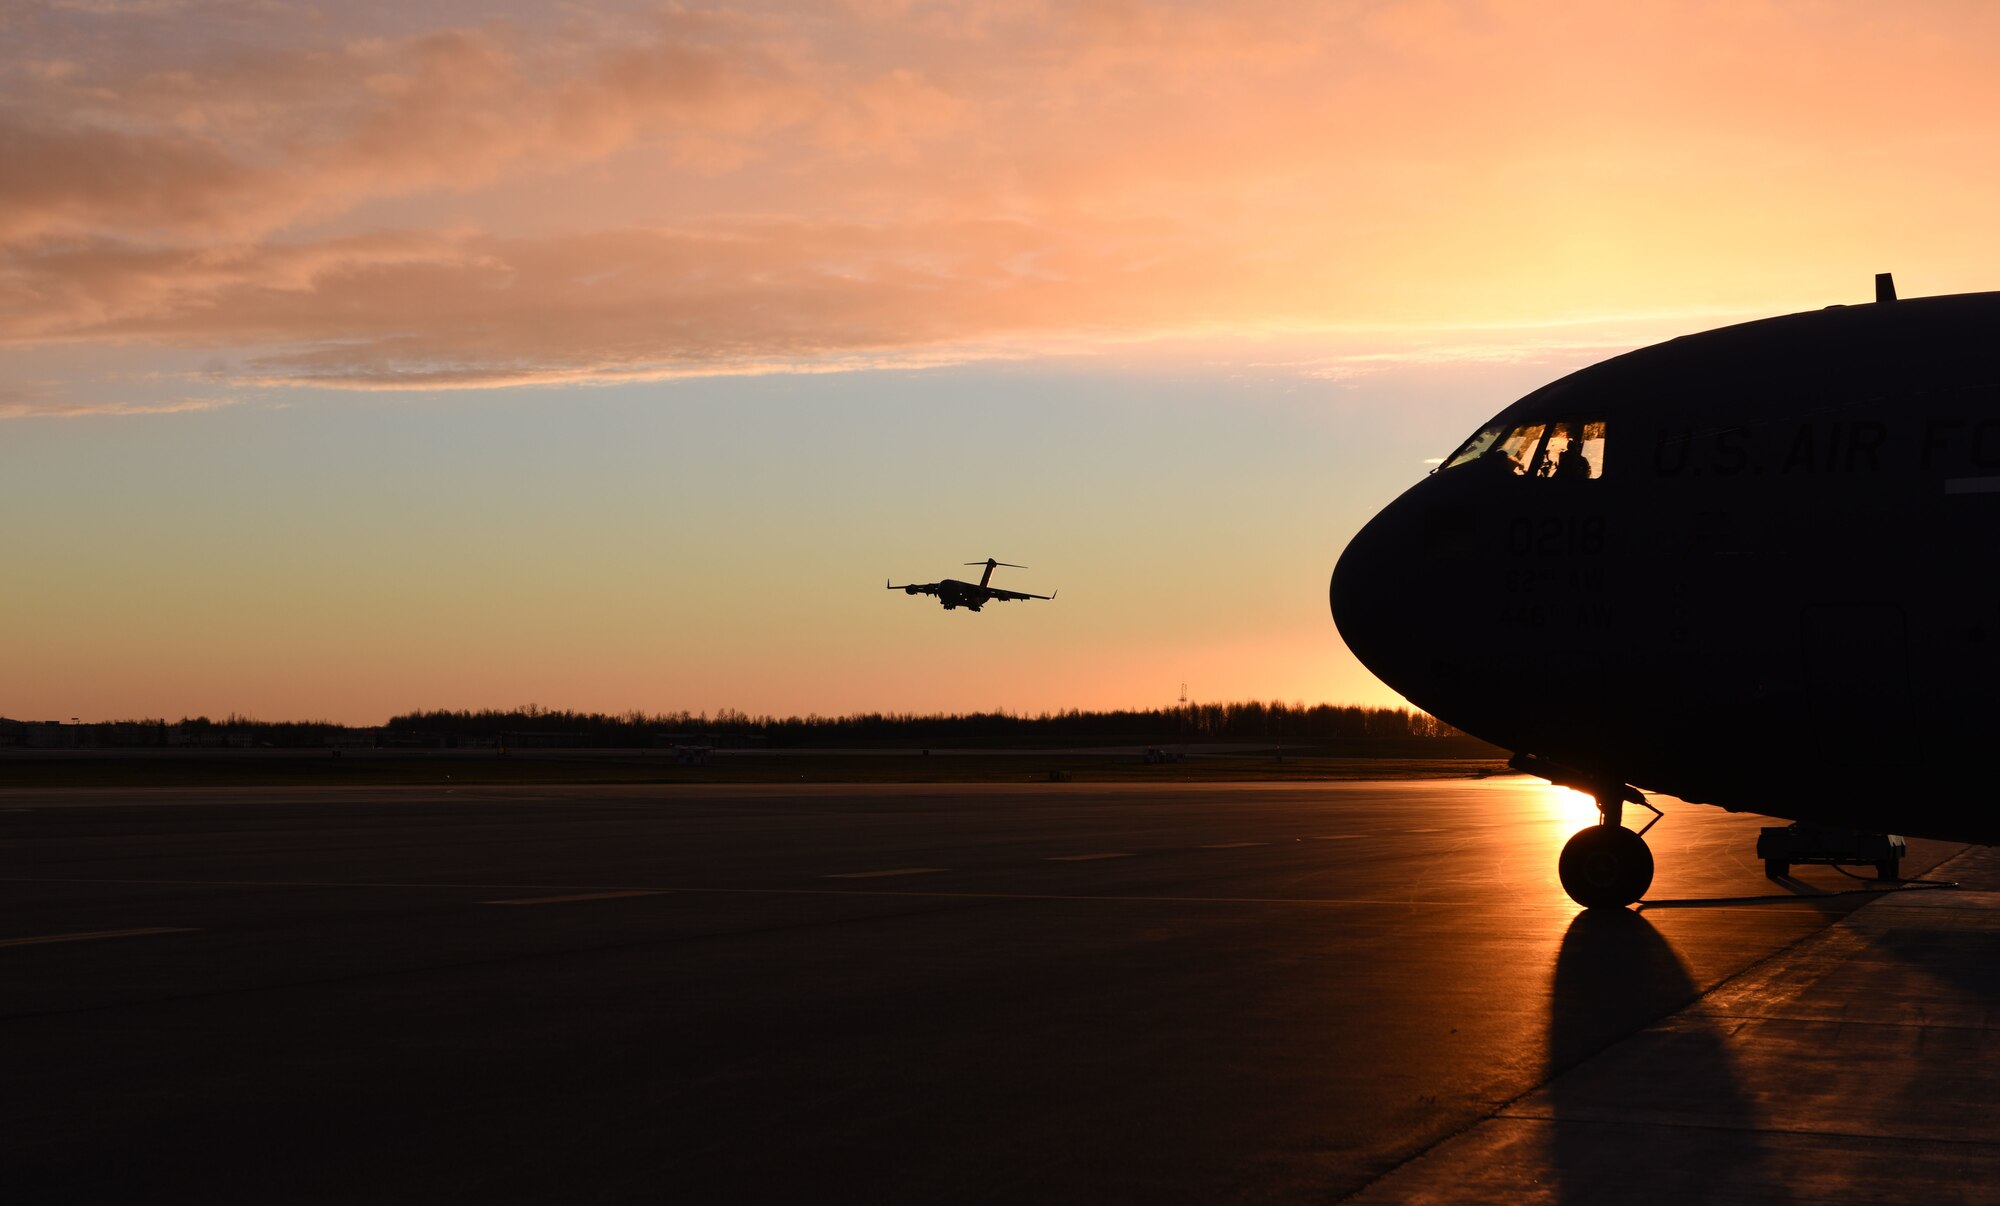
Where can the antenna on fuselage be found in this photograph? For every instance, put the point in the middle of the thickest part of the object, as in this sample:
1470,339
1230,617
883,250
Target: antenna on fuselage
1885,287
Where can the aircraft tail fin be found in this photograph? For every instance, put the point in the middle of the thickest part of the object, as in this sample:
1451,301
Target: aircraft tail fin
989,563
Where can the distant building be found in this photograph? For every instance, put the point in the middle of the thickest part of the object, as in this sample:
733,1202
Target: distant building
46,734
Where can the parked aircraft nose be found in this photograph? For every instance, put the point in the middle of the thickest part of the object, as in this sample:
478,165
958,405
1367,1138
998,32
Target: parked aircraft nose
1375,594
1415,601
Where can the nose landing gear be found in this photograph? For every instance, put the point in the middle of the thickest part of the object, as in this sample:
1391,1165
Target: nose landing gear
1606,866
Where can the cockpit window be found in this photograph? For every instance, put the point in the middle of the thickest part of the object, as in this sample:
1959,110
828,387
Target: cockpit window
1574,451
1519,445
1567,450
1475,447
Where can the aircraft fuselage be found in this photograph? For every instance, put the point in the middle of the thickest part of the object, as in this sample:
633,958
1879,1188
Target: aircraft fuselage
1755,567
954,594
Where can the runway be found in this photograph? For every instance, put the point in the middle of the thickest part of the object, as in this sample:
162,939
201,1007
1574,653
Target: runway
968,993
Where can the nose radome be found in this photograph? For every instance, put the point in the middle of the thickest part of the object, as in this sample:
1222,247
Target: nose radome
1410,601
1368,593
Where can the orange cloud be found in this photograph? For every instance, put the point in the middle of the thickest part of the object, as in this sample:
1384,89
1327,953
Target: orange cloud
246,145
65,180
709,191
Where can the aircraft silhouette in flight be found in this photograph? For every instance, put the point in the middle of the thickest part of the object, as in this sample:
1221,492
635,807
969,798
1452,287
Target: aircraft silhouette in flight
972,596
1757,567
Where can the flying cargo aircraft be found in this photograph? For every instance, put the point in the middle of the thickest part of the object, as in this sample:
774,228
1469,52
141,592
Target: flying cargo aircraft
1757,567
972,596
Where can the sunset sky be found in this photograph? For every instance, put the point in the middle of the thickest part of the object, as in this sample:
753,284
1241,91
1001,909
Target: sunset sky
358,358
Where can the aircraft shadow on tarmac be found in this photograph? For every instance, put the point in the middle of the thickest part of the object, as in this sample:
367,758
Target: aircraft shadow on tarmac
1612,966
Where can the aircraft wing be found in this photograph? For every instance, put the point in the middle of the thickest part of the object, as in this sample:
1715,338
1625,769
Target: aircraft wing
914,588
1002,596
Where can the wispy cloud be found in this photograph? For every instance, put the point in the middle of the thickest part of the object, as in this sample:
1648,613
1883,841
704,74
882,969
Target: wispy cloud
29,404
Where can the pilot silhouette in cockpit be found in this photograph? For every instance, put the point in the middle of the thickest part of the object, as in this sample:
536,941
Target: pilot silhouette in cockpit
1572,465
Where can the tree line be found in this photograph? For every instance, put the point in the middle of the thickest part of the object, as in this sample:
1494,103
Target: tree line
531,725
1253,720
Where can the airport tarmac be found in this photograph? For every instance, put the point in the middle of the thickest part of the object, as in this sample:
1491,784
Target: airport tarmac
918,993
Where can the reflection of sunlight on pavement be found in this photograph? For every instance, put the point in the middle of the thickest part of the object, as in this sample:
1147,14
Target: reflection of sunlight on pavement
1557,811
1529,801
1522,823
1567,808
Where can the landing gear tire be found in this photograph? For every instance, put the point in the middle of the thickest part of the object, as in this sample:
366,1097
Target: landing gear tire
1776,868
1606,867
1889,869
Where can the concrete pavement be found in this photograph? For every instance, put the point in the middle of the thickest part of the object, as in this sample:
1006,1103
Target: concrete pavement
1054,993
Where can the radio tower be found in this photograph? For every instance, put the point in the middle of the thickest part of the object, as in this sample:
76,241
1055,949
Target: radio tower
1184,722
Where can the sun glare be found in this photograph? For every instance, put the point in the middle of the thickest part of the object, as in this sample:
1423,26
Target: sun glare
1567,808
